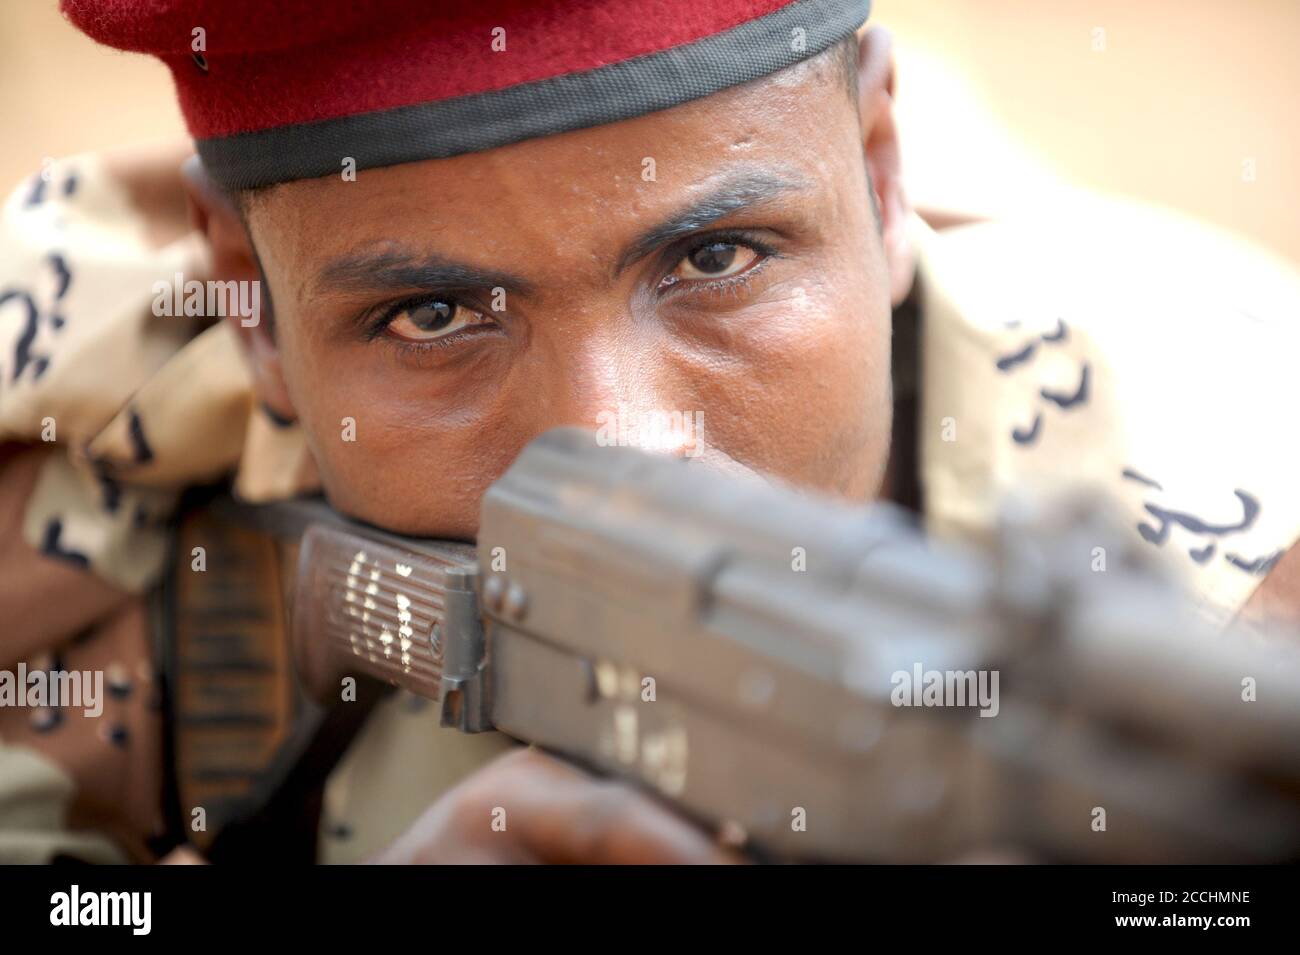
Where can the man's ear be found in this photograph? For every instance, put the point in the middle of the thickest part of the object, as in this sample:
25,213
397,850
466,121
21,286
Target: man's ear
213,213
880,146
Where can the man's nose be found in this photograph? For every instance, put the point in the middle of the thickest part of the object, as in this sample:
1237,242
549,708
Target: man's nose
609,363
623,387
630,391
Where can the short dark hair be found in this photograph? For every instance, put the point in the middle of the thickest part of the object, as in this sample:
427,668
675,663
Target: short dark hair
844,56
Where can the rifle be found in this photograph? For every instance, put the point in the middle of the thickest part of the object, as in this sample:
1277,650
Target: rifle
817,678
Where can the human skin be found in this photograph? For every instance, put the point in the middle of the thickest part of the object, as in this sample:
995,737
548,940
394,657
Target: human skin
785,349
787,360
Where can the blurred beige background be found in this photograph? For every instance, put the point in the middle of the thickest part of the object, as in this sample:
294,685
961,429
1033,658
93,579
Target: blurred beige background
1187,103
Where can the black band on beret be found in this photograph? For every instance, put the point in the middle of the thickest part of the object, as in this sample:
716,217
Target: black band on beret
633,87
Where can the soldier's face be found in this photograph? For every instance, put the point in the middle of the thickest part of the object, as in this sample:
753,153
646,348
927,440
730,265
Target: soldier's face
719,260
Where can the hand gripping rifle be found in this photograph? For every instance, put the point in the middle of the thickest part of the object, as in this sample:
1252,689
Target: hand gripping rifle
818,677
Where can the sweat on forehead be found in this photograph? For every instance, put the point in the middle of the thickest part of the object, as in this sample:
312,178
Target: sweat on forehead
586,196
388,266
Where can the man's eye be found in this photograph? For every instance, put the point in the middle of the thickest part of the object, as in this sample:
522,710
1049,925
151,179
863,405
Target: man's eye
714,260
432,318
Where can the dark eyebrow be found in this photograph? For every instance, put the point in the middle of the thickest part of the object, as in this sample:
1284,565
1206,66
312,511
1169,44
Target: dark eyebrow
395,270
740,191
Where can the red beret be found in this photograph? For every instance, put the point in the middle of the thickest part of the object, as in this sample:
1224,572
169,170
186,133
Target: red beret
279,91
